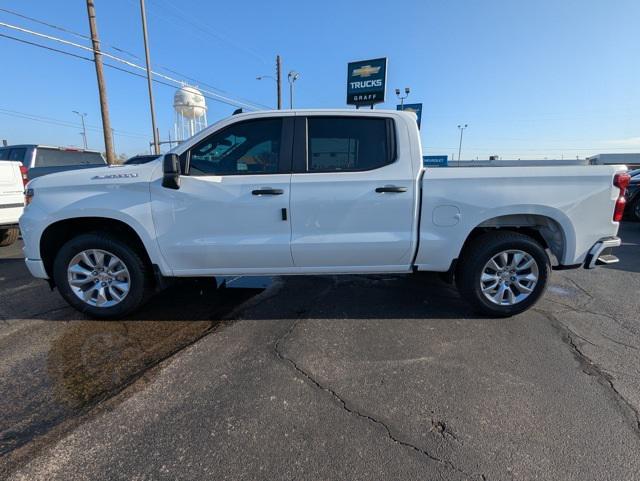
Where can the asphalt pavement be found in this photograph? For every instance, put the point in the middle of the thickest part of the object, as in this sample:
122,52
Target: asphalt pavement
324,378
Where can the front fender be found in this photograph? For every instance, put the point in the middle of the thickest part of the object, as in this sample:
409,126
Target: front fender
128,203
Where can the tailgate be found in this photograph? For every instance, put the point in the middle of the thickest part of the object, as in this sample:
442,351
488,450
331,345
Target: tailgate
10,178
11,192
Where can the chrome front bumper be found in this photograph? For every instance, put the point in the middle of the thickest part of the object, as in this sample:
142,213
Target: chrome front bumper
597,258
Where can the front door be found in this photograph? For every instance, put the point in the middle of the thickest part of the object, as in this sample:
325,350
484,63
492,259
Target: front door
229,215
353,196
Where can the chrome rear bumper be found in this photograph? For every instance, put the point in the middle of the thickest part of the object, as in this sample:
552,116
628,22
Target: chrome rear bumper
597,258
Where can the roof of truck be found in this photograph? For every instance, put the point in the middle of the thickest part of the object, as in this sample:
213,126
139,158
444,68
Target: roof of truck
40,146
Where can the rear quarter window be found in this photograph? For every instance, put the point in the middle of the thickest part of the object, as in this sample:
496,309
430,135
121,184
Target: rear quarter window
60,158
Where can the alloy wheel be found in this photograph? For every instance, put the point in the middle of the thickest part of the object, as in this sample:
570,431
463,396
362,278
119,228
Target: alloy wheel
98,278
509,277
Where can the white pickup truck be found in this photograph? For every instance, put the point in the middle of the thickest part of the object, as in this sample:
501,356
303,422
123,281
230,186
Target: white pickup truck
316,192
12,175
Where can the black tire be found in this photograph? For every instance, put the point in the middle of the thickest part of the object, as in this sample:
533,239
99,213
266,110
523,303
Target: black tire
481,250
139,272
9,236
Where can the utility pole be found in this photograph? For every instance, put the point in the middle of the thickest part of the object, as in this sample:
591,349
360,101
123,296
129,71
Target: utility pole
84,129
102,88
156,144
461,127
279,80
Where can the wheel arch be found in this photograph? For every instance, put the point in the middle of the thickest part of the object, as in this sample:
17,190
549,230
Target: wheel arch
58,233
545,230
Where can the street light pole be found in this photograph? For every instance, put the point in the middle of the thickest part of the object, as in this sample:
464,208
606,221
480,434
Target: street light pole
279,99
84,129
461,127
292,77
156,144
102,89
407,90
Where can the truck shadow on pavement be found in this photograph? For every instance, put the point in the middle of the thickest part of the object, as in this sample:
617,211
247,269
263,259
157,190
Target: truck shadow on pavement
80,362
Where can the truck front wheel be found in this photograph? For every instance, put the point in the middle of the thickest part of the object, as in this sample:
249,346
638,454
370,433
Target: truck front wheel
503,273
101,276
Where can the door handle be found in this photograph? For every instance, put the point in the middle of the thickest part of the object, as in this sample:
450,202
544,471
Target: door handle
390,189
267,191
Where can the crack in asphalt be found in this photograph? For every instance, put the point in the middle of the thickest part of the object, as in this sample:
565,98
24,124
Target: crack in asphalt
579,287
620,342
354,411
582,309
589,367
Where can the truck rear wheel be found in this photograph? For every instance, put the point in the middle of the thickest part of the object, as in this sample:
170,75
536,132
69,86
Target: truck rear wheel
8,236
101,276
503,273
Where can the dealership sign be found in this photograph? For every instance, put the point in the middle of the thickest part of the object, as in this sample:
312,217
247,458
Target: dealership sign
435,160
415,108
366,81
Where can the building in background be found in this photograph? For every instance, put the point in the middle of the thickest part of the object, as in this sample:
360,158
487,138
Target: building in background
631,160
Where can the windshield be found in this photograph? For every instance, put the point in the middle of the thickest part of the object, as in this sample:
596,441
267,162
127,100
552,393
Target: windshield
47,157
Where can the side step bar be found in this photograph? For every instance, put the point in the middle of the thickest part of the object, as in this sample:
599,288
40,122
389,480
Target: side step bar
606,259
597,258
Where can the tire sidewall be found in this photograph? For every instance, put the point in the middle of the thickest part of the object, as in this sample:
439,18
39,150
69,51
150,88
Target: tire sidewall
127,255
544,269
8,236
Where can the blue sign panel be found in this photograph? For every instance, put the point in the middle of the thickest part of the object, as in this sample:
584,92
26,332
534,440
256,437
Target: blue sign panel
415,108
366,81
435,160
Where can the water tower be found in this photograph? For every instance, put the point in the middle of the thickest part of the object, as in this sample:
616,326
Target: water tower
191,112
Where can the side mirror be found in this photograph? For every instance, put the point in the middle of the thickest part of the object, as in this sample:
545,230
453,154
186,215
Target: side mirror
171,170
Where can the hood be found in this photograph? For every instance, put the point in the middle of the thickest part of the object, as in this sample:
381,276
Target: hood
111,174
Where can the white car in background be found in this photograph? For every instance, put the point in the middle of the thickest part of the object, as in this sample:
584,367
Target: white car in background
12,178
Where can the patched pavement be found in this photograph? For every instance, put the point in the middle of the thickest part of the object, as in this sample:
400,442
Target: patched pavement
374,377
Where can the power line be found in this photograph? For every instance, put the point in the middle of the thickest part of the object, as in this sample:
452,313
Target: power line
121,50
183,16
115,67
63,123
214,96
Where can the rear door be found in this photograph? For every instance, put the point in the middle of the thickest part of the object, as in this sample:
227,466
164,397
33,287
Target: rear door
230,214
352,195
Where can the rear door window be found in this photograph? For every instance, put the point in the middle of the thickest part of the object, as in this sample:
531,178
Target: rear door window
343,144
46,157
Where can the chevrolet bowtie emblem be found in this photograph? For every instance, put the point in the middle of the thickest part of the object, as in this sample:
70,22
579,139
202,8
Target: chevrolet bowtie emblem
365,71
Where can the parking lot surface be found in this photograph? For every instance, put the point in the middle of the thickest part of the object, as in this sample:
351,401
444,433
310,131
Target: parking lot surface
327,378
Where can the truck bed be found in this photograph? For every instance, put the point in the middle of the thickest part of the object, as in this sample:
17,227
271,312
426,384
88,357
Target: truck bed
567,204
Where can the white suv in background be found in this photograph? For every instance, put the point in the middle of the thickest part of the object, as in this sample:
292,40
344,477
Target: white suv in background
12,177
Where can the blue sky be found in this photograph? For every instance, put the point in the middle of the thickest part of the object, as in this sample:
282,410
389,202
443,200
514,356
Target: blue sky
533,79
